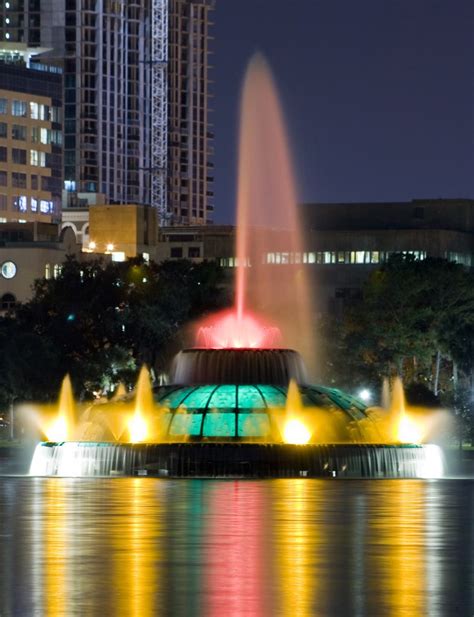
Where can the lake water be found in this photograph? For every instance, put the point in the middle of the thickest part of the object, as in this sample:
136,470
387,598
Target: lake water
223,548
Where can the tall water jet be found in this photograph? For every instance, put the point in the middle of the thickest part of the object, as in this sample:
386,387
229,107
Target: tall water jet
143,407
267,217
62,428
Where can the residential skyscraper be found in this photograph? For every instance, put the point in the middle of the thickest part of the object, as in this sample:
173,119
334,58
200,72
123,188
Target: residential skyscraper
136,98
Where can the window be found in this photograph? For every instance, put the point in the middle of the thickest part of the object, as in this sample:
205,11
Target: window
19,132
45,136
3,202
34,204
3,154
7,302
3,178
3,129
44,112
47,271
18,156
56,271
19,108
18,180
34,111
3,106
35,134
55,114
37,158
19,203
46,207
194,251
34,182
176,252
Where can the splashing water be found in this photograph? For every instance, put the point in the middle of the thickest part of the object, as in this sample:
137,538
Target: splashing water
228,330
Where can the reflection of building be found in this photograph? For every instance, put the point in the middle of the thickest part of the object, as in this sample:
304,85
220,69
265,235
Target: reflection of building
136,93
30,144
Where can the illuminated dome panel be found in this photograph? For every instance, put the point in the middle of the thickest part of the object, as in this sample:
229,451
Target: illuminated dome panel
242,412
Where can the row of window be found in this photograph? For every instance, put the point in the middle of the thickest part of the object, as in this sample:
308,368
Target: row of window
37,158
340,257
30,109
22,203
176,252
336,257
20,180
54,270
39,134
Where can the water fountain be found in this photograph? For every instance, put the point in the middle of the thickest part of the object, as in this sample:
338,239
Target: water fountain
240,403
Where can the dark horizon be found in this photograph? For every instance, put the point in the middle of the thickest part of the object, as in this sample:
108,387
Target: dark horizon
384,117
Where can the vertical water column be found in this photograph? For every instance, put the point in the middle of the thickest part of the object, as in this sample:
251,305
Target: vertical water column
267,217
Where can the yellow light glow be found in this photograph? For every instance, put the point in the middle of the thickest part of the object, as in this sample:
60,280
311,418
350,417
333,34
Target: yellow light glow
408,430
57,431
296,432
110,247
137,428
92,246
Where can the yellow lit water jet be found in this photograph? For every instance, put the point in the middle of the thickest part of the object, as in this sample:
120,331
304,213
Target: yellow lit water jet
294,430
138,426
62,427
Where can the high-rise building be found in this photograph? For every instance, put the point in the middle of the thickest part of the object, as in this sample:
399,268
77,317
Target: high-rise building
30,145
136,98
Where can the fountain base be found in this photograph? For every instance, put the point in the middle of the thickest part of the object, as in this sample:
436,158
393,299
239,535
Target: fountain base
87,459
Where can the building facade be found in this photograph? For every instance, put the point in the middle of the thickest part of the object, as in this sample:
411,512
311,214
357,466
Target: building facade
30,144
136,92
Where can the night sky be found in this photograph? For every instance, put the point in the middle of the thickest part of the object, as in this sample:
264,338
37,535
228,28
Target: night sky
378,94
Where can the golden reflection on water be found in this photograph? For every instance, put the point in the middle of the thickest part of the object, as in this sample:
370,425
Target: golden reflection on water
296,529
396,568
289,548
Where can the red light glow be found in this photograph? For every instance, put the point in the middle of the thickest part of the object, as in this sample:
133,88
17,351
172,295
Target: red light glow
228,331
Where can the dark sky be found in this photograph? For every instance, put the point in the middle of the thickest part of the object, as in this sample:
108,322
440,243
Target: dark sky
378,94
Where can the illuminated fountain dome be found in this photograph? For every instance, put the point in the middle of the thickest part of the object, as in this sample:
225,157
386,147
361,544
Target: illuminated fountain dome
240,412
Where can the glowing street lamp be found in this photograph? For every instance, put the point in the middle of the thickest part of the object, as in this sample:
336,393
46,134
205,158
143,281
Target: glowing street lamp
365,395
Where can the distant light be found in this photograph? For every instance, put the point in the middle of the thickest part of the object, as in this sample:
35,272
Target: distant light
7,5
7,35
146,257
92,246
71,317
144,279
365,395
118,256
110,247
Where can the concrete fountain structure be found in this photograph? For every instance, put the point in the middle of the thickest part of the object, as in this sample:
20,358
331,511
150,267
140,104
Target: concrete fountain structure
240,403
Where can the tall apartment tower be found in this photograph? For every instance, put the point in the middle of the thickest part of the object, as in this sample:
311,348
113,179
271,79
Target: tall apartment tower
136,98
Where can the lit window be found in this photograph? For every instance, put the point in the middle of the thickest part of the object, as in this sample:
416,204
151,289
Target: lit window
297,258
285,258
305,258
340,257
47,271
34,111
45,136
375,257
360,255
311,258
46,207
34,204
3,106
270,258
19,203
278,258
56,271
327,257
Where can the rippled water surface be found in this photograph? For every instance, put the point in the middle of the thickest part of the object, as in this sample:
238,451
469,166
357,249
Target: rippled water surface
143,546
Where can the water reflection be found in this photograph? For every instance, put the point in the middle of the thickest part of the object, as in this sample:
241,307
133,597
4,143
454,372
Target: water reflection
142,547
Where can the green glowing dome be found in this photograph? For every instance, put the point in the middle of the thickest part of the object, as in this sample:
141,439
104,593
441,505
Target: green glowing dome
242,412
